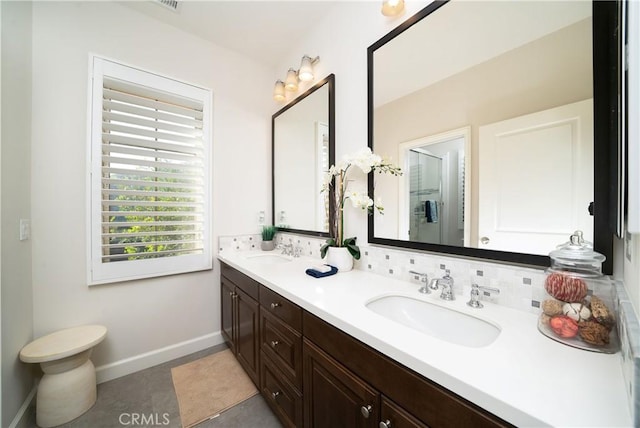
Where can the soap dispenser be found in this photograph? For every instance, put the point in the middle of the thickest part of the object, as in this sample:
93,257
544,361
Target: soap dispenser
578,309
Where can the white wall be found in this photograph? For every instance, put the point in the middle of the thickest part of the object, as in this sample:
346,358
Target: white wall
147,320
343,51
17,298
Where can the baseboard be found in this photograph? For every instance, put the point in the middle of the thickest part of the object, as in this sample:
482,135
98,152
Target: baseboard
21,418
153,358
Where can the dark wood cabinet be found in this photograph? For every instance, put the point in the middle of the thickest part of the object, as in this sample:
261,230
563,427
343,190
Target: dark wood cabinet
281,347
394,416
227,303
240,319
281,395
247,336
314,375
333,396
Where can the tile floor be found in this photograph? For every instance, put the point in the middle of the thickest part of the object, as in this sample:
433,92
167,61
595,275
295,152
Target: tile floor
150,392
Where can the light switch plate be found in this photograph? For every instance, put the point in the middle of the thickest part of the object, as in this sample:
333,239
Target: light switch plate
25,229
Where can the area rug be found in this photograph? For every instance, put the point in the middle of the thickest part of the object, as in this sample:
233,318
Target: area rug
209,386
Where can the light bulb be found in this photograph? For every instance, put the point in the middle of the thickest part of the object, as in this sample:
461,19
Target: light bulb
278,91
392,7
291,82
306,69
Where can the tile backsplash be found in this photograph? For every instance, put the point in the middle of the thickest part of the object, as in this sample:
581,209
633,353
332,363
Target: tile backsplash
521,288
629,331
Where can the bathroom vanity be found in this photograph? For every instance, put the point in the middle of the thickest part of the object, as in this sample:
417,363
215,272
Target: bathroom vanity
321,357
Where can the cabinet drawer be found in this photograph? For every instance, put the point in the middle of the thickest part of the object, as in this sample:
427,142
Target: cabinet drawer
283,345
394,416
282,308
240,280
283,398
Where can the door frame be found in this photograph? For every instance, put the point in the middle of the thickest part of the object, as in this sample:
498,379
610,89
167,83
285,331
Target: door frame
403,184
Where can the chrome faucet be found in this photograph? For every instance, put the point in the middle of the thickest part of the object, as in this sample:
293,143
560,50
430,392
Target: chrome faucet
287,249
446,283
474,302
423,279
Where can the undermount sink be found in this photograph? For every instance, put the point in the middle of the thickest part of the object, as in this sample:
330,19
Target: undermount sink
437,321
269,258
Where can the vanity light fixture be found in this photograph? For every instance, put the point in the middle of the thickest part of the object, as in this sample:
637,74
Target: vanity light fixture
291,82
306,68
392,7
278,91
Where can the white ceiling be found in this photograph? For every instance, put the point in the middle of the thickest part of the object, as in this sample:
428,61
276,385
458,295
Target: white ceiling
260,29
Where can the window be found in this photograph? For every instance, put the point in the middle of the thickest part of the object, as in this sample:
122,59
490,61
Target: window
150,175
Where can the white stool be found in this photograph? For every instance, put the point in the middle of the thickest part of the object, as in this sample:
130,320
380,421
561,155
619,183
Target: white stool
68,387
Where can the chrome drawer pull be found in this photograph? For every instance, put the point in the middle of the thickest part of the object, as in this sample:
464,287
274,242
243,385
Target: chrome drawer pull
275,305
385,424
275,394
366,410
274,343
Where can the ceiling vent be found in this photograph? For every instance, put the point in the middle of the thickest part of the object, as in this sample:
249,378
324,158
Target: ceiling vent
169,4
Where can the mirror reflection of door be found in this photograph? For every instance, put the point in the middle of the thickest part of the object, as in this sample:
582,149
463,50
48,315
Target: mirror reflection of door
425,196
432,203
535,179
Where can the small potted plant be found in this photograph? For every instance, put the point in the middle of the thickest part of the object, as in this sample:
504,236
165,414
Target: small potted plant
268,232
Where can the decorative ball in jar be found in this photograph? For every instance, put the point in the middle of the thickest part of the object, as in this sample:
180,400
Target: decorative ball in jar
578,306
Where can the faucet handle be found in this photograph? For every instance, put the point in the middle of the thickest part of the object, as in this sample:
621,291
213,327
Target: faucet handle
474,301
423,278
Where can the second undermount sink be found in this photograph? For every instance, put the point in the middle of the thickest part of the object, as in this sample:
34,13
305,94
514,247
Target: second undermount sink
437,321
269,258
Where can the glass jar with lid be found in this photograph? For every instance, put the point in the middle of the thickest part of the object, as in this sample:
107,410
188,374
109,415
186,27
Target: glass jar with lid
578,307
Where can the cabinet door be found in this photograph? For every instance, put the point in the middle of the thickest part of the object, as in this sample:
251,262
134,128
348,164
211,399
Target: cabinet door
247,334
333,396
227,300
394,416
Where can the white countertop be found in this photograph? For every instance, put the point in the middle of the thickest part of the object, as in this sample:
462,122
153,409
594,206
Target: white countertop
523,377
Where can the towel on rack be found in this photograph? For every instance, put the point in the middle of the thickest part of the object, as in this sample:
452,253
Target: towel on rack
431,211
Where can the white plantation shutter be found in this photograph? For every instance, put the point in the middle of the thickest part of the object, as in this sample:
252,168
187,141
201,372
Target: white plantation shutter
150,156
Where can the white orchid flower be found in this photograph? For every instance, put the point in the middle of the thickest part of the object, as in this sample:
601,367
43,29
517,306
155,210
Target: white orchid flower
360,200
337,176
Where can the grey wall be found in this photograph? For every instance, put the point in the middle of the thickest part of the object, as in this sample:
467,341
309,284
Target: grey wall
15,183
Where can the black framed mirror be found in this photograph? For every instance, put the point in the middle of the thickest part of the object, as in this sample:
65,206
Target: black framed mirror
303,148
503,116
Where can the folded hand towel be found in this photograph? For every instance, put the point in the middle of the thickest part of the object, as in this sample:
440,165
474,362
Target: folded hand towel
322,268
317,274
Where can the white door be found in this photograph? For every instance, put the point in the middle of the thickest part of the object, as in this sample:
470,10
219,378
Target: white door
536,179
